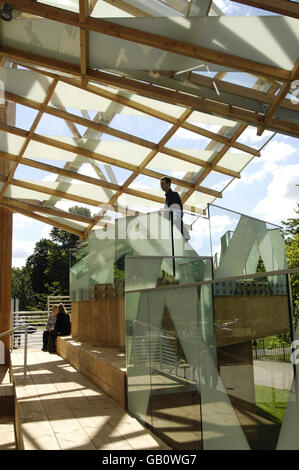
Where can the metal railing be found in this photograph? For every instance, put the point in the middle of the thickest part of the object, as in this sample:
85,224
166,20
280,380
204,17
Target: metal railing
35,322
25,346
57,299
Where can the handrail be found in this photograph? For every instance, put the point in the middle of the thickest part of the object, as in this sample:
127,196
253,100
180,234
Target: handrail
217,281
25,345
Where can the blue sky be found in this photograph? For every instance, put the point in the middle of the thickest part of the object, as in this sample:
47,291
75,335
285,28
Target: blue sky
267,188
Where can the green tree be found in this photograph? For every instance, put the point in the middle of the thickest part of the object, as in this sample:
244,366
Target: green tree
47,269
292,252
22,287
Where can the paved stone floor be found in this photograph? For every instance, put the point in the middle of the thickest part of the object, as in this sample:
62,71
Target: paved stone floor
59,408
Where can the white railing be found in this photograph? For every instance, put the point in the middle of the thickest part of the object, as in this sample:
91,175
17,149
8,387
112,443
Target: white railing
12,330
57,299
35,322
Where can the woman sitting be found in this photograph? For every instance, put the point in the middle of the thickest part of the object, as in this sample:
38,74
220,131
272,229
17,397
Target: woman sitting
62,327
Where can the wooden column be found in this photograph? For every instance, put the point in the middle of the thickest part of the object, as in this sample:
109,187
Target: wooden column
7,114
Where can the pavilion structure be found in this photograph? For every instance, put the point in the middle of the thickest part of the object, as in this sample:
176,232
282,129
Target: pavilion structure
94,96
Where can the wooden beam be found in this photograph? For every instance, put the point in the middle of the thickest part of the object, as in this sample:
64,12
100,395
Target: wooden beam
31,131
84,37
6,233
152,40
47,210
40,218
276,103
238,90
273,108
282,7
53,192
61,171
188,101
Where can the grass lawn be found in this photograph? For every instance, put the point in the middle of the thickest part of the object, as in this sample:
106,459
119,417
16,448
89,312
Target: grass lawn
271,402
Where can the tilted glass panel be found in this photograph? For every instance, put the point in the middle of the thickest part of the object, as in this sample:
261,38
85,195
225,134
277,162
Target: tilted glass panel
10,143
113,151
43,36
235,161
164,330
215,122
72,97
245,245
25,83
253,335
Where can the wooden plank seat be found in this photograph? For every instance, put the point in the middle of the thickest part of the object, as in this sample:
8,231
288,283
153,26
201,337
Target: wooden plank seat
57,407
104,366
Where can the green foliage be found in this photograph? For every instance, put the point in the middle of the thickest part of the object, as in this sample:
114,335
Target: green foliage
22,287
292,251
47,269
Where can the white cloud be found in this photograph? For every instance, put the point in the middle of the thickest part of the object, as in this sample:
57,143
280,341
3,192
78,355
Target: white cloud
185,134
20,252
282,195
250,135
272,157
225,6
45,233
20,220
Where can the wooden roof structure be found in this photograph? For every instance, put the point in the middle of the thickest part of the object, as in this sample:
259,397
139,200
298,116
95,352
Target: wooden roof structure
126,79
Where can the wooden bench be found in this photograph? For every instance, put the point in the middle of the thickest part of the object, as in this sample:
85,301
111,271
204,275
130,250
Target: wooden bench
104,366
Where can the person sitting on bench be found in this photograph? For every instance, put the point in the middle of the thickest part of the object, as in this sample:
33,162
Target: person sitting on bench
62,327
49,326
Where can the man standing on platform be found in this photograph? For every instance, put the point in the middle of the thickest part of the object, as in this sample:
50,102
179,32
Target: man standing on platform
173,204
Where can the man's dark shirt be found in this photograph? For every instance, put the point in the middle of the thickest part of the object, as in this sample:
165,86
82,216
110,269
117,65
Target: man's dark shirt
173,198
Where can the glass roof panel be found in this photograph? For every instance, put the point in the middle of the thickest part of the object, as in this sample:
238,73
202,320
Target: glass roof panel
250,137
200,200
70,5
42,36
25,117
201,118
117,150
163,162
138,203
17,192
217,181
10,143
68,96
235,161
183,138
163,107
25,83
141,126
70,223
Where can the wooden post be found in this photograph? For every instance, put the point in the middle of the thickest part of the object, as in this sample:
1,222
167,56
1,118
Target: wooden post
7,114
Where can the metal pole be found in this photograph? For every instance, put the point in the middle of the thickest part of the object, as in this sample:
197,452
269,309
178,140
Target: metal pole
172,243
25,352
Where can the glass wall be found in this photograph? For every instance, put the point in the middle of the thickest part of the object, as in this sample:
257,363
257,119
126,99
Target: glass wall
165,326
193,374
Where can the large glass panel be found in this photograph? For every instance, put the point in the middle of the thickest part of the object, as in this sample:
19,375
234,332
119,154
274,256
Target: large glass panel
164,328
253,326
197,373
245,245
79,288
